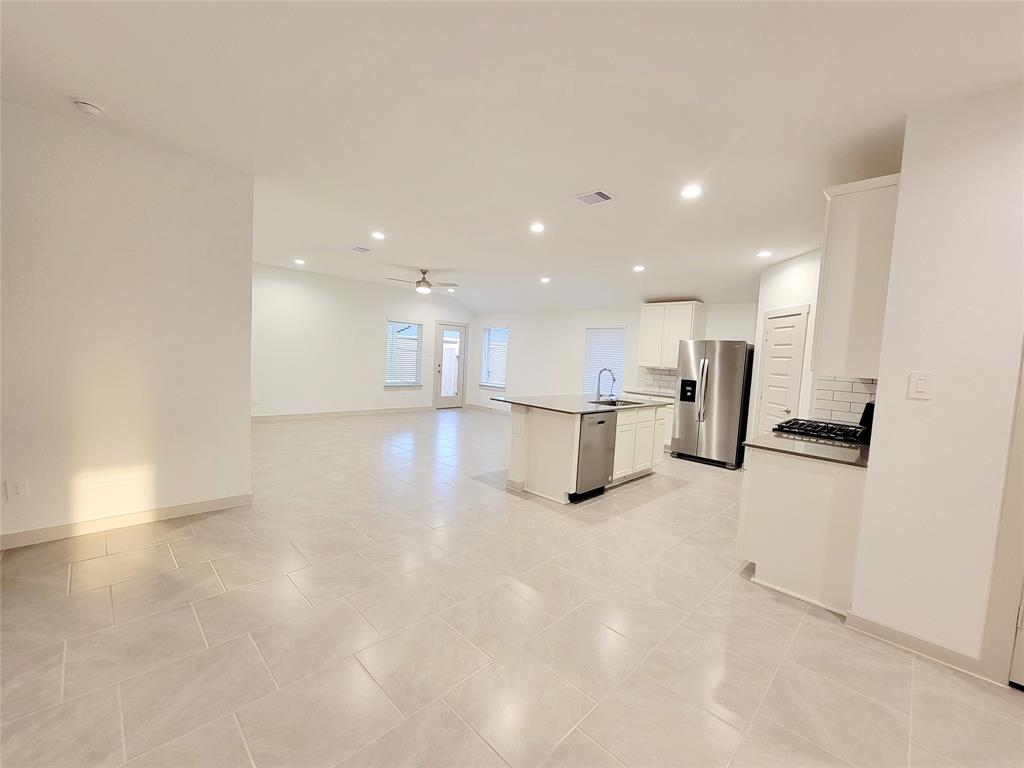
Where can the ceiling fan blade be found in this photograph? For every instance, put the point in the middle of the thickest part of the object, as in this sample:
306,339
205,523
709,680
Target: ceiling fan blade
446,285
400,280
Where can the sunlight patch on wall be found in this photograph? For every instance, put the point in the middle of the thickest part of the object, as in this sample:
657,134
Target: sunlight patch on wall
117,490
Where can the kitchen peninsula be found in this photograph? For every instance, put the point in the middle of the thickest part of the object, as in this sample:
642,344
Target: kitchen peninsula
567,446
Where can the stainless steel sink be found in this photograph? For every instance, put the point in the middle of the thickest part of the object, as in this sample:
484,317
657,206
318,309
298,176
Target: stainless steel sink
615,402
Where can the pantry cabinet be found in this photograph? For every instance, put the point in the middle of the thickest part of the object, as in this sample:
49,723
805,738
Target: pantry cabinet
860,220
662,326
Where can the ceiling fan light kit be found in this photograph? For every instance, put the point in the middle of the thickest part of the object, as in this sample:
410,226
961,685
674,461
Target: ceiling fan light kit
423,285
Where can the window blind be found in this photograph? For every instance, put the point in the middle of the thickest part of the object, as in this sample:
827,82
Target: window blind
606,348
403,354
495,357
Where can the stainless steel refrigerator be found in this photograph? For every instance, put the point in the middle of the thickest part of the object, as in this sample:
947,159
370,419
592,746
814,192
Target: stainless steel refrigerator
712,393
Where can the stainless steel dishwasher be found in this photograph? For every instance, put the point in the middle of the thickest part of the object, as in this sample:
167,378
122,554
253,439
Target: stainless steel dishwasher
597,452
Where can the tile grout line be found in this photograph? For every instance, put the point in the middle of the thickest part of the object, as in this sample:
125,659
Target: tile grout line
266,666
63,670
120,711
173,558
465,722
199,624
401,715
771,682
241,734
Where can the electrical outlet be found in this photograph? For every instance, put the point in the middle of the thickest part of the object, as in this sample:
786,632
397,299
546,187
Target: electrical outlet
16,489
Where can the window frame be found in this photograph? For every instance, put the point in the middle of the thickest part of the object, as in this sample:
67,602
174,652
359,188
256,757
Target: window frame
586,338
485,358
419,355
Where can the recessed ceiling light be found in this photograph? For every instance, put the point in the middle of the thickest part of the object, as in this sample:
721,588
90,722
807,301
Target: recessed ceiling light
87,107
451,290
691,191
300,262
763,254
537,227
377,235
639,268
545,280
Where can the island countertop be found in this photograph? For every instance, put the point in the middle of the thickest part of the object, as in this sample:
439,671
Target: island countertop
573,403
852,455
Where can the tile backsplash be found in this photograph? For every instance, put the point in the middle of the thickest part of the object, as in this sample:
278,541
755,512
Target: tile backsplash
840,399
660,379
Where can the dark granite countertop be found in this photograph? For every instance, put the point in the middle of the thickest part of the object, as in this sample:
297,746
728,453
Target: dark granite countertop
854,456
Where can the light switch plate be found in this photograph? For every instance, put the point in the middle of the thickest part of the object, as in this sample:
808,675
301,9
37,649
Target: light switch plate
919,385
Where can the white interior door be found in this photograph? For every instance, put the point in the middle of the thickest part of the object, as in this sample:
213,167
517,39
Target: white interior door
449,365
781,366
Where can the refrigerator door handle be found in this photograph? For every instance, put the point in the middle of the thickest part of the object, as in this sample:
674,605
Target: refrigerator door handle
705,364
700,388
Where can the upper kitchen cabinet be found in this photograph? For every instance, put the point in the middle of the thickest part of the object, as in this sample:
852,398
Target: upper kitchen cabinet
662,326
859,223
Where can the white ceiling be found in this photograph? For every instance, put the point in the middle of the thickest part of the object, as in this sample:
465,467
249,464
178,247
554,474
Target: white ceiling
451,127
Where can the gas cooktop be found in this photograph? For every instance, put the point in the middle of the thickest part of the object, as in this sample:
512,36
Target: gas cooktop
822,431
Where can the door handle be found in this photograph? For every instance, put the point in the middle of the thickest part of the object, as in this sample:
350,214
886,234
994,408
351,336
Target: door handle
786,410
703,388
700,389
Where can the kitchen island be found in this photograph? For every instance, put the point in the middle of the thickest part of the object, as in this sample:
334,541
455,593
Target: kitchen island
800,511
566,446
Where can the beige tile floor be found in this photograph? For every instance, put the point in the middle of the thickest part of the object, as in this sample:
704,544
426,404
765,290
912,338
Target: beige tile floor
386,603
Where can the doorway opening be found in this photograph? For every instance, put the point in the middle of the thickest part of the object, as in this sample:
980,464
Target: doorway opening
450,342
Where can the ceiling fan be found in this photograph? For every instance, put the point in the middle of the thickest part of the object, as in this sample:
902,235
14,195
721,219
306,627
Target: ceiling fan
423,285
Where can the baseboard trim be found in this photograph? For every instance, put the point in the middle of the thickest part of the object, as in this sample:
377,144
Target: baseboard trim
963,662
53,533
797,595
327,414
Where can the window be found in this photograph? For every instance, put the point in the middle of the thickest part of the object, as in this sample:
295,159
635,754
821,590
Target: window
495,362
606,348
403,355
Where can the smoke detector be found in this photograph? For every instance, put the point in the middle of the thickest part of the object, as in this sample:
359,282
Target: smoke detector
595,197
361,249
87,107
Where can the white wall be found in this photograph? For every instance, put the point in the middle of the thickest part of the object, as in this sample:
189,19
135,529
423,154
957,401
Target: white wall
318,342
731,322
790,283
955,308
126,307
547,349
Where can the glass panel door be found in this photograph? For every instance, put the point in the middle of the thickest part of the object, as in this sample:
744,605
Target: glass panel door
449,365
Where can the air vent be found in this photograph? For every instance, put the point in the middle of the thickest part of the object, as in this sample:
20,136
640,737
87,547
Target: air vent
595,197
361,249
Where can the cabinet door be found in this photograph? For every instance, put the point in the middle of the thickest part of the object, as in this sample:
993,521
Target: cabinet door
854,282
648,354
661,441
669,420
625,440
678,325
643,446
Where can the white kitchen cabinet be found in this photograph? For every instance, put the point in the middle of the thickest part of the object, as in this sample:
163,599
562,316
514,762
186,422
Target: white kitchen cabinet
652,321
625,443
643,446
859,222
662,326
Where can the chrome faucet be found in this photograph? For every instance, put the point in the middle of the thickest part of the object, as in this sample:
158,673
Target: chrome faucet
599,375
